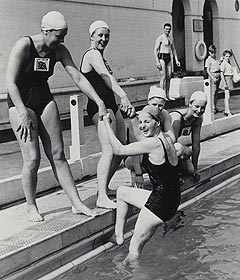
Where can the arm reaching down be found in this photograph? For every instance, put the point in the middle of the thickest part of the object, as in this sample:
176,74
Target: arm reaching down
81,82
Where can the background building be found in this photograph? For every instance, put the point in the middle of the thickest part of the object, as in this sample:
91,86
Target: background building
135,25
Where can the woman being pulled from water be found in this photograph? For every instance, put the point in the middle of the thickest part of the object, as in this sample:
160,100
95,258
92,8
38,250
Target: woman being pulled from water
160,161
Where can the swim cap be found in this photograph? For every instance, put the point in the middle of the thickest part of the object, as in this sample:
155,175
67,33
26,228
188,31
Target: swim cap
156,92
97,24
53,20
151,110
198,95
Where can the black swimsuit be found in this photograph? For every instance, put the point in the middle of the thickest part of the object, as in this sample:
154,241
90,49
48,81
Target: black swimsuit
104,92
165,197
32,81
166,57
185,129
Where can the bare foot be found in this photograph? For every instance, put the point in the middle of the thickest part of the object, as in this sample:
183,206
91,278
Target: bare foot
33,214
119,239
106,203
130,259
84,210
116,239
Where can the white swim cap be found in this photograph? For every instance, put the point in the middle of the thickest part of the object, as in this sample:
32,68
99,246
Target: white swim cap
97,24
156,92
53,20
198,95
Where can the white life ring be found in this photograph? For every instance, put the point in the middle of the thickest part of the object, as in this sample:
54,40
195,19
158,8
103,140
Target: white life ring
200,50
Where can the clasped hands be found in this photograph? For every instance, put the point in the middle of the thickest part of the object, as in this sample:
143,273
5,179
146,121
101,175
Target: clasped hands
125,106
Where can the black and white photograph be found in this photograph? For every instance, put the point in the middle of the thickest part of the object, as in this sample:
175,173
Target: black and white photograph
120,140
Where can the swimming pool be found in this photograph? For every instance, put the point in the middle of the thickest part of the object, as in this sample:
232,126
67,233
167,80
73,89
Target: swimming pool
203,244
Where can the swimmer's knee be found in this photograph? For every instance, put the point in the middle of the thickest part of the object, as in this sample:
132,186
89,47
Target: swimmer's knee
121,193
129,164
58,154
107,152
179,149
187,152
31,164
186,167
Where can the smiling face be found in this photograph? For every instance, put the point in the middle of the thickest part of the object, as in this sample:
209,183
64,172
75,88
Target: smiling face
148,125
100,38
157,102
198,107
55,37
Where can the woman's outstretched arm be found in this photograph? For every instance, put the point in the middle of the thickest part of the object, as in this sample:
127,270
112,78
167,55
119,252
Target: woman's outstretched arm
133,149
81,82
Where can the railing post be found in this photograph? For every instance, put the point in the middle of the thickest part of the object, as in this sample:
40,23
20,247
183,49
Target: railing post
208,116
78,147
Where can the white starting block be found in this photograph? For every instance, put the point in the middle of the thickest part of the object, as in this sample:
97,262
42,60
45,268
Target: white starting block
208,116
78,148
174,87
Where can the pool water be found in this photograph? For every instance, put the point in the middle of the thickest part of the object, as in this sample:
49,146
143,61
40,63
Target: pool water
203,243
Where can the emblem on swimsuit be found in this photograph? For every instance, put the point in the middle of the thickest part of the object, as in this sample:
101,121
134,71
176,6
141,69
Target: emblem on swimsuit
41,64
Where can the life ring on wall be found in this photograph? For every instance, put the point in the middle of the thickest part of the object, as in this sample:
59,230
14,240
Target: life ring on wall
200,50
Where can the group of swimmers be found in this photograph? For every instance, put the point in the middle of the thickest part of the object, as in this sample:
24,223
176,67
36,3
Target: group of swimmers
153,132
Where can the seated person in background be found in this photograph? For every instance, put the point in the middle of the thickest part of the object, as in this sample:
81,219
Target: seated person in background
185,122
157,98
158,157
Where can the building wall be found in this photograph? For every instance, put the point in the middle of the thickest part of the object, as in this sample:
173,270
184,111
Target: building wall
134,28
135,25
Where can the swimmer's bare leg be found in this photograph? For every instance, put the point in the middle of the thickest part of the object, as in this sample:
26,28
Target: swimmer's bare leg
122,210
146,226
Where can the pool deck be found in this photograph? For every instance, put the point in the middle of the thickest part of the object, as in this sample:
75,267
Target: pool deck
30,250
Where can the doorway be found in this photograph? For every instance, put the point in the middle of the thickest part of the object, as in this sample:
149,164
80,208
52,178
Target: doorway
179,31
208,23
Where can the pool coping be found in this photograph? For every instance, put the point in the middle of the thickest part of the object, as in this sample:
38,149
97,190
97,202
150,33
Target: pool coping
54,247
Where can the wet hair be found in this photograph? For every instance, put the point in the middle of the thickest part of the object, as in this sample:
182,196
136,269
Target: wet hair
227,51
212,48
167,24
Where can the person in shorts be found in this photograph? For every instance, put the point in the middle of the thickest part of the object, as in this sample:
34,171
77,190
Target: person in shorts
212,66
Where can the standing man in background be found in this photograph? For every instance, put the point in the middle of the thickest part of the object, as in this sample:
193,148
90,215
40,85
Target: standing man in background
163,51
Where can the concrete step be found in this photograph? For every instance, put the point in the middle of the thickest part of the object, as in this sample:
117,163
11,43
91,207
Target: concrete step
7,135
11,164
36,249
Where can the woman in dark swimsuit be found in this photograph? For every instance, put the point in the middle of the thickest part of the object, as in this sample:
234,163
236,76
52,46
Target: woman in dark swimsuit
160,161
95,68
188,121
33,111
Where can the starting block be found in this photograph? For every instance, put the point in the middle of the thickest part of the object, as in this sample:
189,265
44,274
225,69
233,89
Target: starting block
174,88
